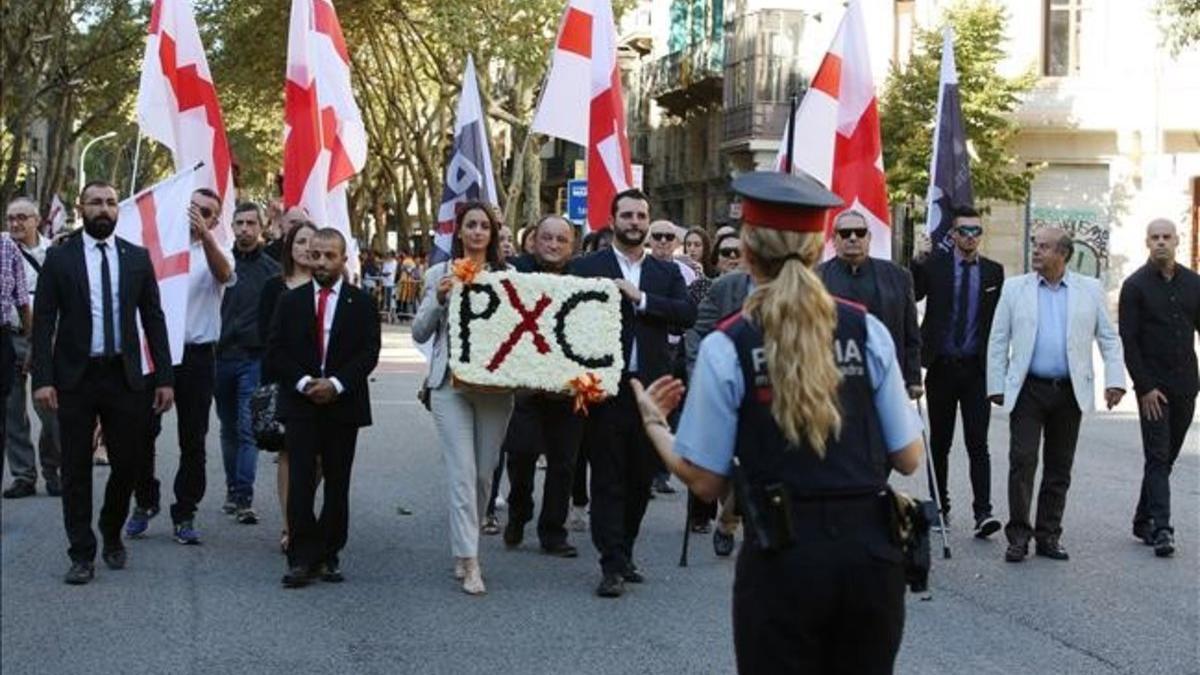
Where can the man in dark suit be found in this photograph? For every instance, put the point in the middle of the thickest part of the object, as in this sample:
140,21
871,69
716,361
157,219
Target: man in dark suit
87,365
654,304
962,288
883,287
323,345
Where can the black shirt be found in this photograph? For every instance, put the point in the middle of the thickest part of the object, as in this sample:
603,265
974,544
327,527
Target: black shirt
1158,321
240,335
860,285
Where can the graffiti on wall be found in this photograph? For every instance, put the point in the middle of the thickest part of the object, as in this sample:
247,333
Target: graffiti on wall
1088,227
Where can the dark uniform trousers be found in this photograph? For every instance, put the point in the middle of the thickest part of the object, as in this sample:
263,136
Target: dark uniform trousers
542,425
1044,408
1161,443
622,469
125,414
195,380
845,574
953,384
318,539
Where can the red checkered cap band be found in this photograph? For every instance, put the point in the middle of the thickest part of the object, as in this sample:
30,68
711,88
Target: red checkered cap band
783,217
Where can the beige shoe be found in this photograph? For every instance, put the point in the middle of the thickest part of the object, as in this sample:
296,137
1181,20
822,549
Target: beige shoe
473,581
460,568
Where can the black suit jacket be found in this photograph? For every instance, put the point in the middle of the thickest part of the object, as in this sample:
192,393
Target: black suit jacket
352,354
667,309
897,308
934,279
62,317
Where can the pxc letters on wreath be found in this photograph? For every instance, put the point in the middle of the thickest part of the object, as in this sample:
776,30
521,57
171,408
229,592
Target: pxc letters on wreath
535,331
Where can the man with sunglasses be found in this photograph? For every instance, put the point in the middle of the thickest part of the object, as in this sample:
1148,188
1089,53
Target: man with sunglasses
210,272
962,289
883,287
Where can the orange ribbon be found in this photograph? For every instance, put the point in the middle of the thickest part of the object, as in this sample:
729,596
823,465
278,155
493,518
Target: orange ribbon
465,270
587,391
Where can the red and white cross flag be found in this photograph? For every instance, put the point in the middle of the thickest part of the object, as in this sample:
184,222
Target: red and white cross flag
177,104
56,221
837,133
325,142
157,219
581,102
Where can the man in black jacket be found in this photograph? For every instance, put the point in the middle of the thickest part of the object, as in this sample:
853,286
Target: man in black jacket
883,287
962,288
239,360
654,304
543,423
87,366
1159,316
324,343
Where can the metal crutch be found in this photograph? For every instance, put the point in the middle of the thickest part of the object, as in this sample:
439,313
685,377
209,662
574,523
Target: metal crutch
933,491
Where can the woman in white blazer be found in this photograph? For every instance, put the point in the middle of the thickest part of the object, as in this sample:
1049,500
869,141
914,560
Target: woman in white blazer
471,423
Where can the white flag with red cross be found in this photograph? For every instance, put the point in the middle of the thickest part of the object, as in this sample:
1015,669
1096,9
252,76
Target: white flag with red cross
177,104
325,142
157,220
581,102
837,133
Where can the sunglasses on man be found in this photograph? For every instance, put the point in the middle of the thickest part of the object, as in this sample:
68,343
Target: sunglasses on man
969,230
847,232
663,236
731,252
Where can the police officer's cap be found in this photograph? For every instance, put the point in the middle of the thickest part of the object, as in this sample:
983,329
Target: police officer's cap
781,201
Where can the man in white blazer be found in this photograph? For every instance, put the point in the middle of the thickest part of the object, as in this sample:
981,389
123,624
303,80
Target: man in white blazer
1040,372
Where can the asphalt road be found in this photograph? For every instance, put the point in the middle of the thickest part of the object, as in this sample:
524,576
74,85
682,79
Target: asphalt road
219,607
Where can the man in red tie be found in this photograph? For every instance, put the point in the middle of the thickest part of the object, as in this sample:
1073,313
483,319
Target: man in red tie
323,345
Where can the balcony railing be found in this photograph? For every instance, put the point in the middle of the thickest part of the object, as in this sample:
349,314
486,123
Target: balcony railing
689,78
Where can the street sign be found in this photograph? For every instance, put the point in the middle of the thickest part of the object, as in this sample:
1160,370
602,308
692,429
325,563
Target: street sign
577,200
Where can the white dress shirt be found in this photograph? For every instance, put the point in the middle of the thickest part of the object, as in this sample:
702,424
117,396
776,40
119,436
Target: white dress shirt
331,304
91,258
203,323
632,271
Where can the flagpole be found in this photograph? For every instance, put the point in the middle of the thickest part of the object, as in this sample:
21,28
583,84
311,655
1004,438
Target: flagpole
791,134
137,151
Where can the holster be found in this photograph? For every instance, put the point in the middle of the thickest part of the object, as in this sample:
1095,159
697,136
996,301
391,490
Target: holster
911,520
766,510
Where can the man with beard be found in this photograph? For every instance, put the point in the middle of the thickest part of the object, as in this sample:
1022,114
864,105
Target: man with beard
210,271
323,344
87,366
543,423
654,303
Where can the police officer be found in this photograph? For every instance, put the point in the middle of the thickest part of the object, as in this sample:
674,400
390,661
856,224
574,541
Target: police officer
800,400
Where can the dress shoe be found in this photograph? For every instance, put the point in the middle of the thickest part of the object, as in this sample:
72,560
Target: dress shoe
473,581
722,542
114,557
80,573
986,526
514,533
53,487
633,575
1164,544
1016,553
611,586
561,550
19,489
298,576
1144,532
1052,550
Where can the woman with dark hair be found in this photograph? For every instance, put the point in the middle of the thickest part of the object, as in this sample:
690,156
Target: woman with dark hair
471,422
597,240
697,245
297,271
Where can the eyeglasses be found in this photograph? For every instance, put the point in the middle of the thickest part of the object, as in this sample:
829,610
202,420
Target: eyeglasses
731,252
663,236
845,233
969,230
18,217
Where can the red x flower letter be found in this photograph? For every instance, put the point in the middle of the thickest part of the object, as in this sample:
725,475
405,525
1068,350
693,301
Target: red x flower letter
528,323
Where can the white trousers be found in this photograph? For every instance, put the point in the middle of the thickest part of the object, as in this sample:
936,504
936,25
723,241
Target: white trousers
472,426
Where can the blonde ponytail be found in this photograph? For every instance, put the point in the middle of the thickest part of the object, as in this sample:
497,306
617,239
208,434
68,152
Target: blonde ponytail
798,318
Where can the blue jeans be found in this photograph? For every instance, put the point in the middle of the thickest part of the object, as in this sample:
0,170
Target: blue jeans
236,381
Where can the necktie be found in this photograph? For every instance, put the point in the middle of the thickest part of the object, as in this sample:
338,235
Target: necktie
322,300
964,304
110,335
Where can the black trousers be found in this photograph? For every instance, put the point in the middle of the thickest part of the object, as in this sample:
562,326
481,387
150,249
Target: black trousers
8,365
1161,442
622,468
318,539
1043,409
195,380
951,385
579,491
831,603
542,426
102,395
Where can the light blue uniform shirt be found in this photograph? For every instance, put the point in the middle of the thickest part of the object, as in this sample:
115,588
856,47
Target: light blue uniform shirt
708,429
1050,346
